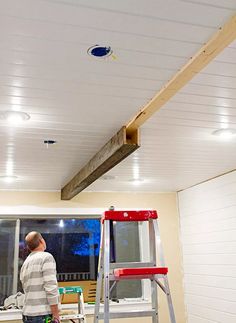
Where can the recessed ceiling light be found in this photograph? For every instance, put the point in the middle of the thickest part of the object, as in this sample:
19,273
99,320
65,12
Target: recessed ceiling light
224,133
14,117
8,179
136,181
100,51
107,177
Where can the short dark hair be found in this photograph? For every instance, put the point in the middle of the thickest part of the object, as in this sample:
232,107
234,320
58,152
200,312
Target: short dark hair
33,240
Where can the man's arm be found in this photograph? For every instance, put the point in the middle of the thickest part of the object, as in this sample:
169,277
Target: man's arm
50,285
55,312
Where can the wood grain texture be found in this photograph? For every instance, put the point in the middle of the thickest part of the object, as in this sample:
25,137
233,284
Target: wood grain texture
113,152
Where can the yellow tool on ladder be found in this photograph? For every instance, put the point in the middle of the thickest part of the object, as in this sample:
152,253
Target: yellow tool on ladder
115,272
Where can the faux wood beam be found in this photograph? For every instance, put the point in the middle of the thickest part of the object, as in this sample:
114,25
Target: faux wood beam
115,150
220,40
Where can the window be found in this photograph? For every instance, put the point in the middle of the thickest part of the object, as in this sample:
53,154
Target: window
127,249
74,243
7,244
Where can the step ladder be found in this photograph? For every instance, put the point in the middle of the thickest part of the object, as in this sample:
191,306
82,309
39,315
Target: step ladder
110,273
79,316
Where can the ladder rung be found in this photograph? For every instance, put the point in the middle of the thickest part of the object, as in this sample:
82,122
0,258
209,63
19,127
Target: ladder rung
71,317
135,277
139,313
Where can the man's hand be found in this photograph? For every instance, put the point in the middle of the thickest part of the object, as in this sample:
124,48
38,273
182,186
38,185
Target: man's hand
55,313
55,320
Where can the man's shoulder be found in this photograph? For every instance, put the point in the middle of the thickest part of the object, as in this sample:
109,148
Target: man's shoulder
47,256
41,256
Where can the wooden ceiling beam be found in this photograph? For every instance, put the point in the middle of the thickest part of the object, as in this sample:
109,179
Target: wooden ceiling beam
220,40
113,152
127,139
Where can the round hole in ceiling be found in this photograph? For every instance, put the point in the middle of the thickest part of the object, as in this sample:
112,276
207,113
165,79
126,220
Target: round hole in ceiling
100,51
49,142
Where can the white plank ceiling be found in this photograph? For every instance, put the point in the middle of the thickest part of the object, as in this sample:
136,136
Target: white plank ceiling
81,101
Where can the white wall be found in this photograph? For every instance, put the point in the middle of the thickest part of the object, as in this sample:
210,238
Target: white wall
208,234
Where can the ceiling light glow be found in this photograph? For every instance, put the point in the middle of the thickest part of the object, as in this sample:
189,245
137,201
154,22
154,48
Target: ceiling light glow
14,117
61,224
224,133
9,167
136,172
137,182
8,179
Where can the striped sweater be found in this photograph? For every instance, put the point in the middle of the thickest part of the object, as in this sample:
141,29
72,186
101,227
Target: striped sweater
39,282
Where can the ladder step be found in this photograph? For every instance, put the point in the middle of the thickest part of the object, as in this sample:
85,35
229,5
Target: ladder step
71,317
120,272
135,277
126,314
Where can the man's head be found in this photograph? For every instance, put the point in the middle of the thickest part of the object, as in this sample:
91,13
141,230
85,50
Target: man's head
35,241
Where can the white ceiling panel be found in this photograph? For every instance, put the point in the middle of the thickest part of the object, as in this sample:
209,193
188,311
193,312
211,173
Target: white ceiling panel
163,10
80,101
226,4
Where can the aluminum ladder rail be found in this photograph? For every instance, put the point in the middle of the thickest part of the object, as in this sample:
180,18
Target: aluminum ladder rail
114,272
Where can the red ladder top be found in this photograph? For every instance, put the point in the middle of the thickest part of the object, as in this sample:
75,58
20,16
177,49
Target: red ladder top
129,215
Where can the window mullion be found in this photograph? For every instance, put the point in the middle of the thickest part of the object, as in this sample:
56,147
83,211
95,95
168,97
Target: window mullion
16,257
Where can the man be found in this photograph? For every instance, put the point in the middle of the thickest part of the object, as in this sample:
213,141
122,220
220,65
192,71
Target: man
38,278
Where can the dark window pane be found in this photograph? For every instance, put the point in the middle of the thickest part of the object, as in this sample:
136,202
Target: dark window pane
74,244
